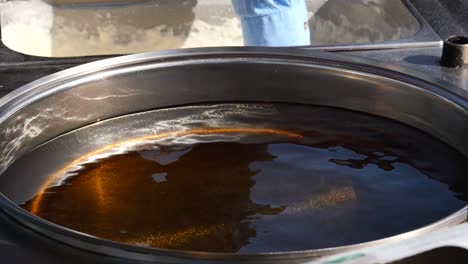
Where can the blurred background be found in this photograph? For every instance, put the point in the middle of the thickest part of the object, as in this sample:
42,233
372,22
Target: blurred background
59,28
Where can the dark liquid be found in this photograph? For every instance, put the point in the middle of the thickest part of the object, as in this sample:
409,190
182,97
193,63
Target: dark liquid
265,192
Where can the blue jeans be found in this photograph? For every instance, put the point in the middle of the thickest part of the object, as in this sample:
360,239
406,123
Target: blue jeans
273,23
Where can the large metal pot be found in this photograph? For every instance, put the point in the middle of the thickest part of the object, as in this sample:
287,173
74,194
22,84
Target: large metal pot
83,95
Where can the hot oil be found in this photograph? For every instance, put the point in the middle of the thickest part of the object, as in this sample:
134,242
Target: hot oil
335,178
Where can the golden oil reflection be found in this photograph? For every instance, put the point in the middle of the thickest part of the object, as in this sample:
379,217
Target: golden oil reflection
199,201
199,206
34,208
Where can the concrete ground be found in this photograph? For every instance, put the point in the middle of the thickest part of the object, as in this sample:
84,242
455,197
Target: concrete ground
89,27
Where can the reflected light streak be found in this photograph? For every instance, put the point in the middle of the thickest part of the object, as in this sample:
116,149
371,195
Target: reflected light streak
35,206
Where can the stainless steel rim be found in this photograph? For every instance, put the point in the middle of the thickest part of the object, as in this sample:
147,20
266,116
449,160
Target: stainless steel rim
47,86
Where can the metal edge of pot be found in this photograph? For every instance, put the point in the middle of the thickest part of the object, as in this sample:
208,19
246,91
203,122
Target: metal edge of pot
41,88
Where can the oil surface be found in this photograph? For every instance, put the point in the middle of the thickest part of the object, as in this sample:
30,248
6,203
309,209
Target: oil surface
347,178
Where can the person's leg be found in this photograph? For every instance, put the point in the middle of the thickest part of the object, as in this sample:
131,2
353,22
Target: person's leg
273,22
